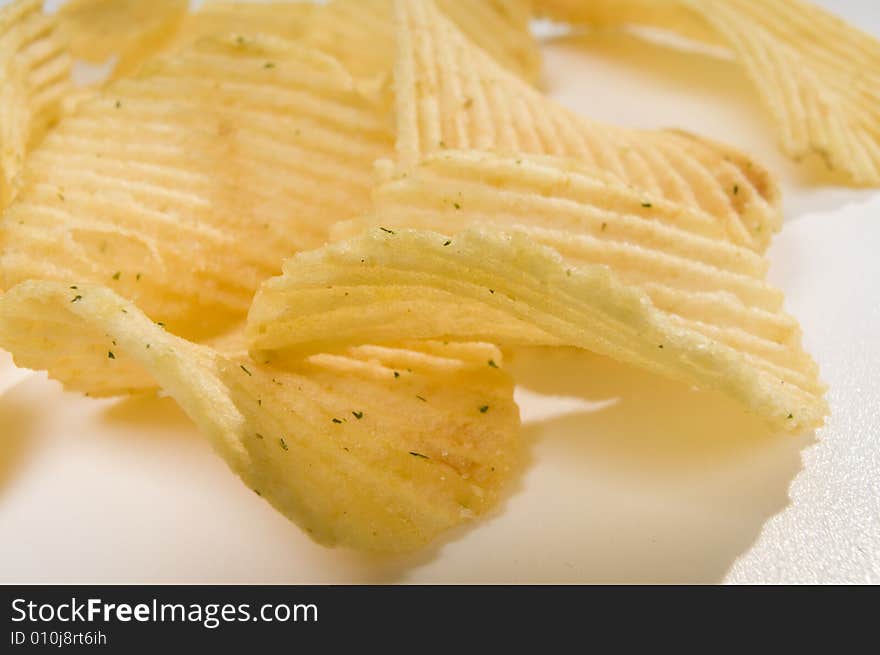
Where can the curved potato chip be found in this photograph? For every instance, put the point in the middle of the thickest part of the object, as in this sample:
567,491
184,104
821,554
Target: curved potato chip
360,33
288,20
184,187
663,14
482,285
818,76
501,28
673,253
34,80
452,95
377,448
133,30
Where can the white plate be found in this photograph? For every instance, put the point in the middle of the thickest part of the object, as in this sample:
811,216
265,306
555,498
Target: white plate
633,479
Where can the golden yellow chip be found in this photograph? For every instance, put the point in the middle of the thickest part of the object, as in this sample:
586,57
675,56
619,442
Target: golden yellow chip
817,75
376,448
34,80
132,30
284,19
675,254
452,95
360,33
184,187
501,28
488,286
664,14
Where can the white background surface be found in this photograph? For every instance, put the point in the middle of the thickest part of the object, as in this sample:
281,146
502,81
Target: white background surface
633,479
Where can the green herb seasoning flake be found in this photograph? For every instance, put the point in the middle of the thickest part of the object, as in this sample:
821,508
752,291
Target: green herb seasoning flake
283,443
735,189
492,363
447,243
269,64
244,368
74,288
647,204
110,355
116,275
337,420
791,416
419,455
484,409
422,398
456,205
396,374
385,229
138,277
358,415
77,298
259,436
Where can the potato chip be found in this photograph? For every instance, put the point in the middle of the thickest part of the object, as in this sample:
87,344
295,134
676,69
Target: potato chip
663,14
184,187
817,75
673,253
34,79
377,448
452,95
360,33
488,286
131,30
283,19
501,28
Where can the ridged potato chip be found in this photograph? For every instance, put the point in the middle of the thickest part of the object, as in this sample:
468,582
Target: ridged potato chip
485,285
132,30
818,76
357,33
34,80
360,33
663,14
675,254
450,94
184,187
377,448
283,19
501,28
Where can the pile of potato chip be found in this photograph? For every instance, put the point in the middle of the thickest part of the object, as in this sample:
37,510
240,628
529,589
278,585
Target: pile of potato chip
318,228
